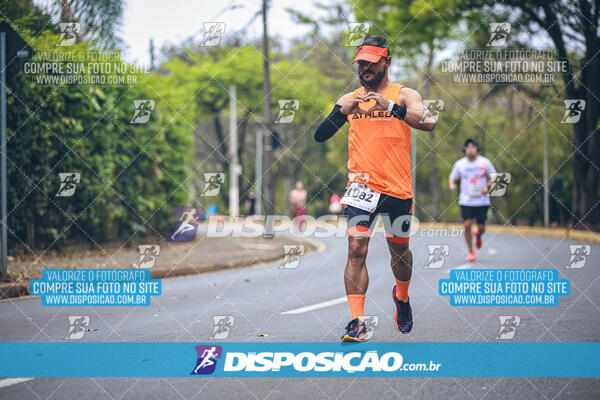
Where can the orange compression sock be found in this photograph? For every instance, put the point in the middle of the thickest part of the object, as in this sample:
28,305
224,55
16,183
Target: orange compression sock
402,290
357,304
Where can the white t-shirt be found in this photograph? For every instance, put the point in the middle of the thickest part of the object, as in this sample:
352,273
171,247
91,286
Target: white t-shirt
473,179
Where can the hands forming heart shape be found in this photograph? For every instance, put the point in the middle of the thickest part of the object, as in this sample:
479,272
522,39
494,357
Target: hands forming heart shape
353,106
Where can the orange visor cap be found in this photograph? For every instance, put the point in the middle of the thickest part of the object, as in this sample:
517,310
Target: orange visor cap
371,54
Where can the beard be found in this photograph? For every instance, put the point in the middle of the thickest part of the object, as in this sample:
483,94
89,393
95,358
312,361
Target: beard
373,83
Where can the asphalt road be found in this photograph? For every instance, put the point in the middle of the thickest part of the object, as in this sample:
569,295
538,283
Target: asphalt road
306,303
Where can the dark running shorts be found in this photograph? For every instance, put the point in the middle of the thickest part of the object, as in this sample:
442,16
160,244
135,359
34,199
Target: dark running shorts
395,213
478,213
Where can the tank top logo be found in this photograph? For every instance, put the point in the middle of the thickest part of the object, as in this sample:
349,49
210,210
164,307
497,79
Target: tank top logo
373,114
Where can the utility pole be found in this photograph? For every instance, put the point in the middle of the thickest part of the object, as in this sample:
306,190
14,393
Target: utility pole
268,141
546,189
151,54
258,168
268,137
4,266
234,166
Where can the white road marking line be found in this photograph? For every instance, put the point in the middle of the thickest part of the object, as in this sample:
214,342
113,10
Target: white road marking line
13,381
323,304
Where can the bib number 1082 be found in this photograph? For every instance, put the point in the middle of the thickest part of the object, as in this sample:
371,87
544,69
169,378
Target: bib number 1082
361,196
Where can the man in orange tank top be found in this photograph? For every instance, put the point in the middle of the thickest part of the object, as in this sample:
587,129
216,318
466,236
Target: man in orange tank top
381,115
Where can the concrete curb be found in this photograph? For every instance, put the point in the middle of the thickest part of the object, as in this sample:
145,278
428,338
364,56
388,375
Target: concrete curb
9,290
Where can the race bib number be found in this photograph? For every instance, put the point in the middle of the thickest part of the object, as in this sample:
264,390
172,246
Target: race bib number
360,196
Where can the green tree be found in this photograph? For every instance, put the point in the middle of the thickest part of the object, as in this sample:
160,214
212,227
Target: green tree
131,175
573,30
204,79
99,18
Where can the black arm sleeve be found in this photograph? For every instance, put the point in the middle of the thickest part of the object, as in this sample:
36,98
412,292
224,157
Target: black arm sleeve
399,111
330,125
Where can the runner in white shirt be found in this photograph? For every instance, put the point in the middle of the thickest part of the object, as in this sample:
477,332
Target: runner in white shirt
474,172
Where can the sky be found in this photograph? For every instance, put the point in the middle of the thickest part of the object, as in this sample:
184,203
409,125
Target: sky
173,21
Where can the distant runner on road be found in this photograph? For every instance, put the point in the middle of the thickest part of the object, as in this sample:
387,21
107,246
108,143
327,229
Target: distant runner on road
475,174
380,114
297,200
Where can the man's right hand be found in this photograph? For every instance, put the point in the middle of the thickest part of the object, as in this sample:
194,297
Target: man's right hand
352,106
452,185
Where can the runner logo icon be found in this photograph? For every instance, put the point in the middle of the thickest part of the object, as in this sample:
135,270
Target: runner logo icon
573,111
500,181
371,322
78,324
292,255
212,183
508,326
356,33
432,110
579,255
148,254
499,33
437,255
207,359
186,226
287,110
68,33
212,33
222,326
68,183
143,109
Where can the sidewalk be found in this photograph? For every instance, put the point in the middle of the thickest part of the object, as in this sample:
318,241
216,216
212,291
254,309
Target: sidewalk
175,259
559,232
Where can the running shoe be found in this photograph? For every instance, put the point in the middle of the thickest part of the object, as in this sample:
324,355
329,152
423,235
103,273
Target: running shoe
478,242
403,316
471,257
356,331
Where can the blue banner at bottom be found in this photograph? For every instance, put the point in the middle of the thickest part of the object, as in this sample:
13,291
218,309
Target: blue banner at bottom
371,359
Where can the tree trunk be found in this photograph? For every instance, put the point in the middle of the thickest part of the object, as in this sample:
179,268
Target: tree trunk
586,162
221,145
30,227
